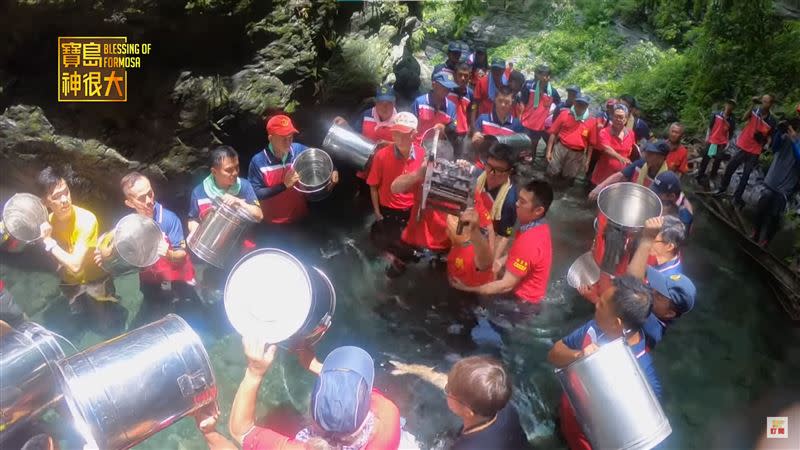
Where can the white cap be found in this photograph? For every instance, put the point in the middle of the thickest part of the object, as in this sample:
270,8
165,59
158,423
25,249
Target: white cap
404,122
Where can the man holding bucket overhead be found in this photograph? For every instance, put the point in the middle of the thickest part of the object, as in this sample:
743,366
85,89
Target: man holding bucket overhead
70,237
621,312
273,177
643,171
346,412
173,268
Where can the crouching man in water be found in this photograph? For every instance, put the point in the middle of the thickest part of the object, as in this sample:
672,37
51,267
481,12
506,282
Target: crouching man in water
172,276
621,311
346,411
531,254
70,237
478,390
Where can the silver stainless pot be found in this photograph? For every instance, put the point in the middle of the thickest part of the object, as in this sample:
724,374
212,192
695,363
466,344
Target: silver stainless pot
131,246
348,146
219,235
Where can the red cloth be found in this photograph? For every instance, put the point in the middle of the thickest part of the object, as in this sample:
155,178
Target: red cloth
533,118
2,285
461,266
606,165
531,257
747,141
167,270
571,429
462,112
430,231
678,160
719,131
483,206
485,104
573,134
386,167
385,435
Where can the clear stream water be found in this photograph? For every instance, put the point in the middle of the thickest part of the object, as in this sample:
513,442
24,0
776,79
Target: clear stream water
720,365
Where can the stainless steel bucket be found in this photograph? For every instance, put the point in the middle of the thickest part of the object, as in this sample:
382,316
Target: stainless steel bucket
613,400
315,169
623,209
122,391
517,141
131,246
348,146
219,235
27,376
299,311
583,272
23,215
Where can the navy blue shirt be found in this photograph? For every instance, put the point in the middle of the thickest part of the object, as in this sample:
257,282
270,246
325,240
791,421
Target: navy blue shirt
491,124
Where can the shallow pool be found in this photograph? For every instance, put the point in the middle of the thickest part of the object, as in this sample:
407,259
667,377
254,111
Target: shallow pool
719,363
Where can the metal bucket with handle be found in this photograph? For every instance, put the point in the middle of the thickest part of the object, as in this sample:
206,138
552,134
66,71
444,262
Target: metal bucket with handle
219,235
315,169
124,390
613,400
28,385
298,313
23,216
348,146
131,246
623,210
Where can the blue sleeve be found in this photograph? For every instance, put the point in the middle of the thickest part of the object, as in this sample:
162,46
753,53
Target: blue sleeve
175,232
194,208
479,123
574,340
652,377
686,217
247,193
508,215
796,150
516,125
642,130
630,169
254,175
653,331
415,107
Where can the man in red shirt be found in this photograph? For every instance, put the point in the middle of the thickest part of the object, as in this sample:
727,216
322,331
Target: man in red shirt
531,255
755,136
720,131
345,409
488,86
466,110
390,161
567,145
678,157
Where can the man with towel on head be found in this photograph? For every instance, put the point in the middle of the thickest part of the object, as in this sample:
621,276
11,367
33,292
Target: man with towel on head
487,87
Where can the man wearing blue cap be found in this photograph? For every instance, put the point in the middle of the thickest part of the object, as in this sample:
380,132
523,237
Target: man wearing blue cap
642,171
454,50
346,411
434,109
667,186
673,292
375,123
487,87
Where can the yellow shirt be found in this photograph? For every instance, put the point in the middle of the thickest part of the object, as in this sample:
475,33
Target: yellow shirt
82,228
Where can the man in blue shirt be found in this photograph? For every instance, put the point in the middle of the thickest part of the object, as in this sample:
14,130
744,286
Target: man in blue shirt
454,49
673,292
782,181
667,186
624,306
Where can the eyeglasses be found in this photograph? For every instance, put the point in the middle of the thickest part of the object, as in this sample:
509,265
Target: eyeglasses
492,169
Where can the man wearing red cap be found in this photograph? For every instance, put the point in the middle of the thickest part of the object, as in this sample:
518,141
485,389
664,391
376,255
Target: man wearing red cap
273,177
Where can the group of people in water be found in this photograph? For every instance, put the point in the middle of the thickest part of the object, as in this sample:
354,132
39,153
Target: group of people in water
500,248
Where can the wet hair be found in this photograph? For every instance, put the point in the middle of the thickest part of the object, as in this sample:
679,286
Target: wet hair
480,383
673,231
502,152
504,91
542,193
627,98
219,154
677,124
48,179
516,75
127,182
38,442
632,301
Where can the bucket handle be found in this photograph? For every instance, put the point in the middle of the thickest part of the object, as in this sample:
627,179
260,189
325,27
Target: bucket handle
190,385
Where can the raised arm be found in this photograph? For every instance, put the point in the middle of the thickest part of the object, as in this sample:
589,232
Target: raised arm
243,411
